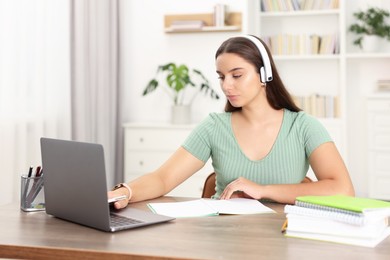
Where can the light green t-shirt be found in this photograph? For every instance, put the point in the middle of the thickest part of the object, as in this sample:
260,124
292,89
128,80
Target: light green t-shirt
287,161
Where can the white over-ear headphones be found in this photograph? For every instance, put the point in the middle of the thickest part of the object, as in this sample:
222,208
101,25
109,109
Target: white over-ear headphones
266,70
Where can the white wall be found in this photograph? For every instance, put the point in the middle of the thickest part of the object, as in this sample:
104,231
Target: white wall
144,45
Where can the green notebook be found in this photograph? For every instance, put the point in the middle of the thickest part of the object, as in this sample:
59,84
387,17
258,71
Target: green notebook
355,204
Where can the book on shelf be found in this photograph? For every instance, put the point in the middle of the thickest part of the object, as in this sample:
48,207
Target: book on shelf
219,15
328,44
297,5
178,25
324,106
383,84
339,219
303,44
315,41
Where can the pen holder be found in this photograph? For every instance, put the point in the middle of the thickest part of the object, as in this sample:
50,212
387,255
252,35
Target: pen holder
32,194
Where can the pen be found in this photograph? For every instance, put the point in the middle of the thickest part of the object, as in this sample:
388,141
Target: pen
30,172
36,187
35,191
24,195
38,171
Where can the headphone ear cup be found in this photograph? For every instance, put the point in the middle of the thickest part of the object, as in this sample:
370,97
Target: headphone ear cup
262,75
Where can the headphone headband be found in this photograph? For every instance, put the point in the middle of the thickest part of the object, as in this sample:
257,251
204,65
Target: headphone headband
266,71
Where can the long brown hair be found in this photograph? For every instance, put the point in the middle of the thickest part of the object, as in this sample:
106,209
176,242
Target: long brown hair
277,94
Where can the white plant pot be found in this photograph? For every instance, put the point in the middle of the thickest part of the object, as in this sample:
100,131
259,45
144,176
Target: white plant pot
181,114
371,43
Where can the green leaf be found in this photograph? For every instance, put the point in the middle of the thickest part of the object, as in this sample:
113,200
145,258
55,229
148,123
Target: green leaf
152,85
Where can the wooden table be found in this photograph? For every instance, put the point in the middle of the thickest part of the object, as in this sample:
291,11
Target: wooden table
40,236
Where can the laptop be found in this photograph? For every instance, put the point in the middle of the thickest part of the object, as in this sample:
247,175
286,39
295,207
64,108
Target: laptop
76,189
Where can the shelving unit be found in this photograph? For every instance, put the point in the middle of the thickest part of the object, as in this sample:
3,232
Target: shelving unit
327,79
233,22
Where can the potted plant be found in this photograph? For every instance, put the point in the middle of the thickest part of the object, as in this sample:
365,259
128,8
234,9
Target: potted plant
177,80
370,24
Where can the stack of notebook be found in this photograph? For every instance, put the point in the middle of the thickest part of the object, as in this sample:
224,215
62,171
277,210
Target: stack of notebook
340,219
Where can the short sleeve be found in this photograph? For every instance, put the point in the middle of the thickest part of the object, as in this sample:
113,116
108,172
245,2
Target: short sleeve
198,143
313,132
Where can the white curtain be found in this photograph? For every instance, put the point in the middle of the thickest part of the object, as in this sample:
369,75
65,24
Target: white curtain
58,78
95,92
34,84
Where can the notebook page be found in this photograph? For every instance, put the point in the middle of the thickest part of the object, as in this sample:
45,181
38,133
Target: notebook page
239,206
192,208
208,207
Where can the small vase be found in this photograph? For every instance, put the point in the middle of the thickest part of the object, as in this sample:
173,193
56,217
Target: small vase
371,43
181,114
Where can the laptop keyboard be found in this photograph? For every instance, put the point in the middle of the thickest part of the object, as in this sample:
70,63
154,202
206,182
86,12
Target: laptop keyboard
119,221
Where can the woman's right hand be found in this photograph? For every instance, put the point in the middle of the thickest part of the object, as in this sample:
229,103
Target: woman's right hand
120,203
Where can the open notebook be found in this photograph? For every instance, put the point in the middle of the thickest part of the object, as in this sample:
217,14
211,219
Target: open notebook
209,207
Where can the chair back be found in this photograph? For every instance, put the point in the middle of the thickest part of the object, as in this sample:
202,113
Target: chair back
209,186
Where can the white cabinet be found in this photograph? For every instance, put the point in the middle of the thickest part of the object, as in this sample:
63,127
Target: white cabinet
148,146
379,146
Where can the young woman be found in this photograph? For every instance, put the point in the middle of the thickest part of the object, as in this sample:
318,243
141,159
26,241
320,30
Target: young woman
260,147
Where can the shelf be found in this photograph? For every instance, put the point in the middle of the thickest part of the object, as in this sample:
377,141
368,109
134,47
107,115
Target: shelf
230,28
378,55
379,95
233,23
306,57
299,13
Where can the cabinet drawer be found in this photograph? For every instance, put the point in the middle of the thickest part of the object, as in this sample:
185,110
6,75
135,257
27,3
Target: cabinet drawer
379,130
145,161
380,121
380,141
381,162
155,139
377,105
380,186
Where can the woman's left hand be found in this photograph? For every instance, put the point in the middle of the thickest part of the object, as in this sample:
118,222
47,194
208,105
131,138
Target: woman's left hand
242,188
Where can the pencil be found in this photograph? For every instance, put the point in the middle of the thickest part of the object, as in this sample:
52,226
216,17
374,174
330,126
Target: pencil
284,226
